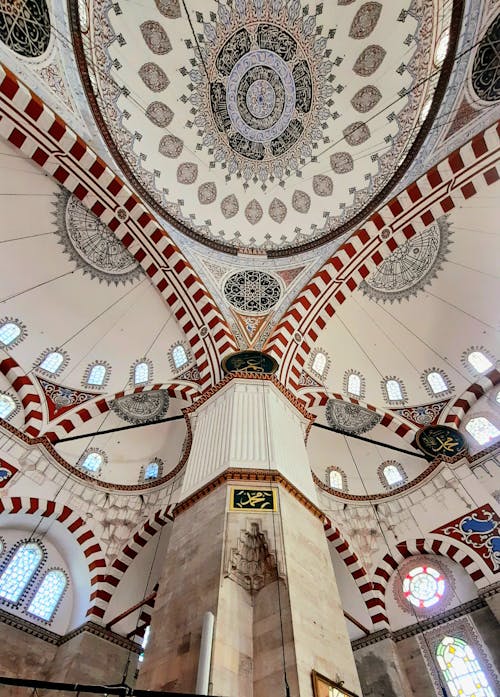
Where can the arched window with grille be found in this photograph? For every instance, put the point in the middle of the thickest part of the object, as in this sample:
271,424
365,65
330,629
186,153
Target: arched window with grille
354,384
141,373
391,474
53,362
393,390
92,461
48,595
97,375
479,362
482,430
436,382
461,670
19,571
10,332
7,405
319,363
179,356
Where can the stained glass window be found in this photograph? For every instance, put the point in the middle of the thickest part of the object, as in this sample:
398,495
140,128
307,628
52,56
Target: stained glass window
92,462
9,332
423,586
482,430
392,475
48,595
461,670
335,478
141,373
319,363
437,382
179,356
394,391
151,471
479,361
52,362
97,374
19,571
7,405
354,384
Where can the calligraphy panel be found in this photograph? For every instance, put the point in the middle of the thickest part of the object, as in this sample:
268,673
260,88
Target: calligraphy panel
253,500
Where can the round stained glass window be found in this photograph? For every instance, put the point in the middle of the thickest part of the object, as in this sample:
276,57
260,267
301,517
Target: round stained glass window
424,586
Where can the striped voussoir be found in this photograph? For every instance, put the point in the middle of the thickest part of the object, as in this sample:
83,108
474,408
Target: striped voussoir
26,391
350,559
28,124
137,542
319,398
83,535
100,405
459,408
402,551
464,173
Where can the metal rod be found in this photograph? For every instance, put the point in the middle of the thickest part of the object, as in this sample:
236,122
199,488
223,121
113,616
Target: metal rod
356,623
132,609
119,428
370,440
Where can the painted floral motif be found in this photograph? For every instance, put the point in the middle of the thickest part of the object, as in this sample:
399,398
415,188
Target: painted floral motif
169,8
366,98
365,20
356,133
369,60
229,206
171,146
341,162
277,210
159,114
156,37
350,418
301,201
207,193
322,185
187,173
153,77
253,212
142,407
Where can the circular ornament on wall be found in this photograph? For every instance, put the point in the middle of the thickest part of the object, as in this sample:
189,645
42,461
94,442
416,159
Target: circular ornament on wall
439,441
89,243
252,291
411,267
423,585
142,407
350,418
25,26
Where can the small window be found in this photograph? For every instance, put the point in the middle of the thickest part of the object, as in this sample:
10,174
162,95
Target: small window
354,384
92,462
52,362
141,373
479,361
482,430
335,478
97,374
9,332
179,356
437,382
144,643
423,586
20,571
461,670
7,406
441,48
319,363
48,595
394,391
392,475
151,471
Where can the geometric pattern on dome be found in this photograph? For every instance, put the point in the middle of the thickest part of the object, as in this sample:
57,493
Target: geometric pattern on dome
91,245
411,267
350,418
486,67
142,407
25,26
252,291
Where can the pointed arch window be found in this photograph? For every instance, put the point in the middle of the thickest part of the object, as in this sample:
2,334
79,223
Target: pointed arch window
52,362
482,430
179,356
19,571
479,362
48,595
97,375
9,332
7,406
141,373
461,670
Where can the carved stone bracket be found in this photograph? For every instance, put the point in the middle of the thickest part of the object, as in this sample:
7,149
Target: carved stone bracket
251,563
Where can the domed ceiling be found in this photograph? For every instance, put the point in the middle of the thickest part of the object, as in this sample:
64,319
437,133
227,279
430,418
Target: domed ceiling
263,125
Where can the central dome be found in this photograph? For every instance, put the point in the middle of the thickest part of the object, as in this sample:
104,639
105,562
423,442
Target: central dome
263,125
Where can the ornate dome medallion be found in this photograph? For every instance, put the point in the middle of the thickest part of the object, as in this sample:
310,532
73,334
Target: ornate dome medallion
278,106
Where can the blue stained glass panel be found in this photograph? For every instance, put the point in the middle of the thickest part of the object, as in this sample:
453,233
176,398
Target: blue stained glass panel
19,571
48,595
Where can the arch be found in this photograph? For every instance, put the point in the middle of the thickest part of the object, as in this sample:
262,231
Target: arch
390,562
26,391
442,188
78,528
60,152
460,406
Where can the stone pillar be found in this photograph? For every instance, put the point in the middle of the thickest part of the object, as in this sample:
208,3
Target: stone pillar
257,560
381,672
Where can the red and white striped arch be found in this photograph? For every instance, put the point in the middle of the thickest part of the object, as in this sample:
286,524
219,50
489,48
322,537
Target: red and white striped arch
26,391
459,408
464,173
28,124
403,550
102,404
82,533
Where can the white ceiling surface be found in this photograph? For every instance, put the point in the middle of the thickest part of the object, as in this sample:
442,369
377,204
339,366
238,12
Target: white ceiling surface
90,319
432,329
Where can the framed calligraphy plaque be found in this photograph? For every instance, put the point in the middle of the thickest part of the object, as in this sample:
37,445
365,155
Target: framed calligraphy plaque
436,441
249,362
323,687
253,500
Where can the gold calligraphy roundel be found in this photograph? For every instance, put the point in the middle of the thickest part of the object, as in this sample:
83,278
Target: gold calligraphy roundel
439,441
254,362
